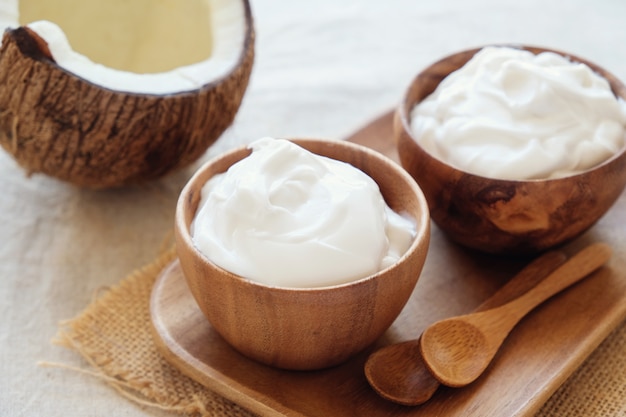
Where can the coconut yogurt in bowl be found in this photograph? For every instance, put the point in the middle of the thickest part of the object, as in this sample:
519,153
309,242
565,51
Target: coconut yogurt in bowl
312,250
517,149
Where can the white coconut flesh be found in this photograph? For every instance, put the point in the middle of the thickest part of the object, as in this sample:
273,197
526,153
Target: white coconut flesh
139,46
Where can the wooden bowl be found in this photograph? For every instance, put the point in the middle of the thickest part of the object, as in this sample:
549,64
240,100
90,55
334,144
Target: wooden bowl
305,329
502,216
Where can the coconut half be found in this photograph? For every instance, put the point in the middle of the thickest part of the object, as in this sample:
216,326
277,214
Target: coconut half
108,93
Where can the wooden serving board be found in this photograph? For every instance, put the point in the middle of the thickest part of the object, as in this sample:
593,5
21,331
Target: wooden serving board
542,351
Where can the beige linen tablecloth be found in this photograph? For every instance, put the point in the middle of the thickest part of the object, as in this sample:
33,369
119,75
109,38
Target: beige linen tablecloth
323,68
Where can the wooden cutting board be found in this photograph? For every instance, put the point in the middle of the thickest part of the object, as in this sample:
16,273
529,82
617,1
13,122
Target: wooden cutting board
542,351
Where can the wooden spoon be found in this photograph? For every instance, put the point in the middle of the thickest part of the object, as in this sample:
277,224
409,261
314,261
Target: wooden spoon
458,350
397,372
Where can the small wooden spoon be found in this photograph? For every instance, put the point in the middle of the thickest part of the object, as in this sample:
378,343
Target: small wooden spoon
458,350
397,372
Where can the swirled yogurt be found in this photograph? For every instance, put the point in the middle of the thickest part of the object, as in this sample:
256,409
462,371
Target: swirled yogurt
286,217
510,114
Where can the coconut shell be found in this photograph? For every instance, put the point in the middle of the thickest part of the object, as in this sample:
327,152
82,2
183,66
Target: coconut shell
53,122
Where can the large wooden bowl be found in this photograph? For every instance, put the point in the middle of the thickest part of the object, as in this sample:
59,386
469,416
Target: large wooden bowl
502,216
305,328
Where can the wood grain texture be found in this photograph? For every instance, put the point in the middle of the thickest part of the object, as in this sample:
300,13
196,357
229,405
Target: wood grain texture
535,360
505,216
56,123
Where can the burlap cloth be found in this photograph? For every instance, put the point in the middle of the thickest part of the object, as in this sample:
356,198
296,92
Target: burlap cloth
113,335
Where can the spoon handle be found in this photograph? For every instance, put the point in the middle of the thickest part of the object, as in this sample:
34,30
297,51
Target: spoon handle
576,268
524,280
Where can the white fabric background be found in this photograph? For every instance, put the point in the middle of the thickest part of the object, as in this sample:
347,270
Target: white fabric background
323,68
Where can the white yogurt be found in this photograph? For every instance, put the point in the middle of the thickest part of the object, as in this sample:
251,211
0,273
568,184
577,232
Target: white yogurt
286,217
510,114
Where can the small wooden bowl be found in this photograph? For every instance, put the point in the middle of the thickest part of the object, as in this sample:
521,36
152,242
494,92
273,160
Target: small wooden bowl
303,329
502,216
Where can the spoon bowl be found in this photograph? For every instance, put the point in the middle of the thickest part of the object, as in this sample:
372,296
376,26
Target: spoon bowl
458,366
